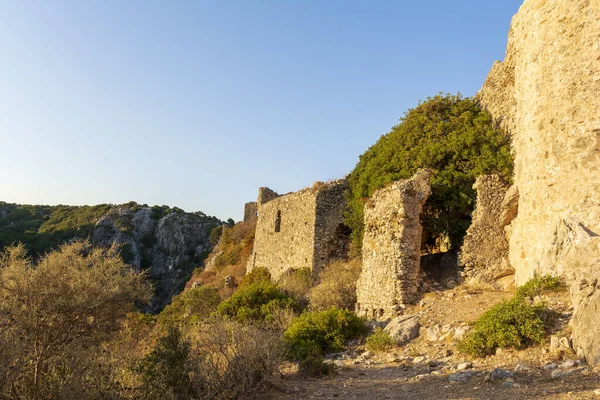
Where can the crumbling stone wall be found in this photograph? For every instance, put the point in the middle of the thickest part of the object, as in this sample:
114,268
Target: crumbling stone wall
484,254
250,211
392,246
547,94
265,195
300,229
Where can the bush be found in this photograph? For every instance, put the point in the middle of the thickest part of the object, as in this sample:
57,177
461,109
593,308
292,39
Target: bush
515,323
191,306
215,234
256,275
165,371
539,285
258,301
233,360
379,341
56,315
313,334
454,138
297,283
337,287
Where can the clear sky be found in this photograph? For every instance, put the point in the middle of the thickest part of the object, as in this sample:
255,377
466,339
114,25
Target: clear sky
196,104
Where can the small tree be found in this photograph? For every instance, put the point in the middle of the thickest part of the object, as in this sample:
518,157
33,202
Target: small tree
55,314
164,371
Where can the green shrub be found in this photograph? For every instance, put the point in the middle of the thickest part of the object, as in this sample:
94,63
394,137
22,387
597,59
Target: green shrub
448,134
515,323
256,275
164,372
314,334
191,306
257,301
539,285
379,341
215,234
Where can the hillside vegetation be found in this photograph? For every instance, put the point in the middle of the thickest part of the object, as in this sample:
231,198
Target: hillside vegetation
41,228
454,138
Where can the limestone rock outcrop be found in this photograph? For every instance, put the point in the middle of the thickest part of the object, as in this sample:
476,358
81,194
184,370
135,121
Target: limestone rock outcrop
392,246
167,246
484,254
546,93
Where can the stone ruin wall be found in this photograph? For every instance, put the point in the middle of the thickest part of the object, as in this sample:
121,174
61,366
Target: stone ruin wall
392,247
332,235
546,93
298,230
484,253
250,211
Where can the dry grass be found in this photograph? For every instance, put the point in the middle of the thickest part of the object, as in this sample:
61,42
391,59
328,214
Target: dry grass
337,286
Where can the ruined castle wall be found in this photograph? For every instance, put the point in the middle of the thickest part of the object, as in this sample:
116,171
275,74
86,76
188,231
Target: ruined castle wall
300,230
392,246
332,237
250,211
547,94
484,253
284,236
265,195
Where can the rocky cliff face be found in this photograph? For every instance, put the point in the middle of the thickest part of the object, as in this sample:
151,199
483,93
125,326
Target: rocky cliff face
546,93
168,246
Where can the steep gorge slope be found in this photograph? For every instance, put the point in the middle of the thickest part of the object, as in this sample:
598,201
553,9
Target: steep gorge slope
166,242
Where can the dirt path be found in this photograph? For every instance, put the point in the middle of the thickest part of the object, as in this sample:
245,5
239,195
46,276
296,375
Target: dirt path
430,366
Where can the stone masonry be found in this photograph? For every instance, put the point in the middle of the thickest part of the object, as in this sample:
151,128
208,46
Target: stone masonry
392,247
484,254
250,211
302,229
546,93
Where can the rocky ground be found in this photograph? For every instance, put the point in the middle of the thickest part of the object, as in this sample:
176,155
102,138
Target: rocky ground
430,366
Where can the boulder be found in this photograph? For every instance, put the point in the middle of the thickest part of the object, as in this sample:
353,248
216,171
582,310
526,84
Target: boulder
403,329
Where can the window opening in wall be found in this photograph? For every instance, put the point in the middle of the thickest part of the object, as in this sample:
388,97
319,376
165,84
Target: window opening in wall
278,221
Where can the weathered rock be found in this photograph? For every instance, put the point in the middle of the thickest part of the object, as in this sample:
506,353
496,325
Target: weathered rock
484,254
546,94
392,246
461,377
433,333
464,366
403,329
499,374
509,207
460,332
168,244
303,229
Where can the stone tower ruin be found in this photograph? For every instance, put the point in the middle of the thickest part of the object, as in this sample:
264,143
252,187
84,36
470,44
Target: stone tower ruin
302,229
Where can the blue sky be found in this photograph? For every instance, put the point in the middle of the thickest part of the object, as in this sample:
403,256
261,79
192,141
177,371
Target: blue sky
196,104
